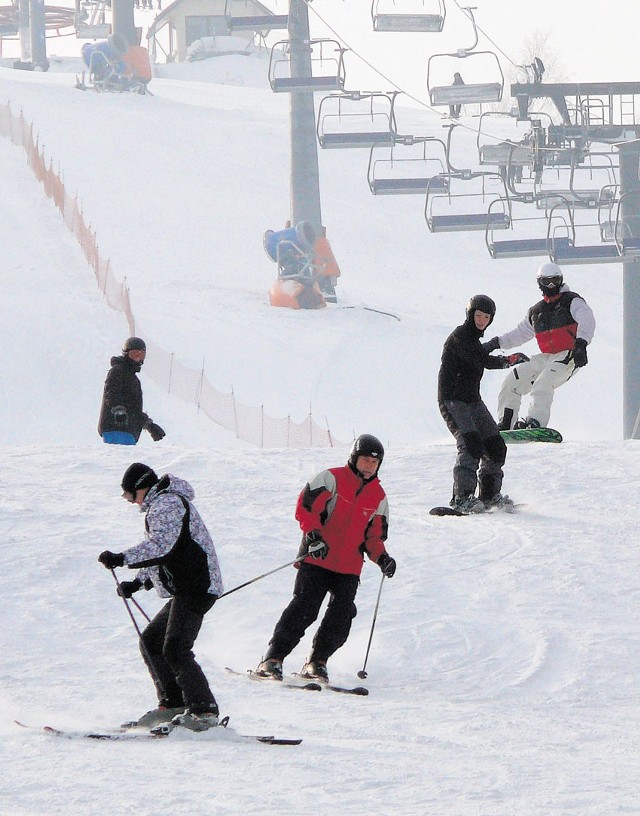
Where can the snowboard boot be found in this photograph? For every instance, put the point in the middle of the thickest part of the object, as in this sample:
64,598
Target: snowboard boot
315,670
467,504
529,422
505,422
161,714
270,668
500,502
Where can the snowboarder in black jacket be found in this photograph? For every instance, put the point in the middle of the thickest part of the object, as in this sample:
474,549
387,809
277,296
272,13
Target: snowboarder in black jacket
121,416
481,449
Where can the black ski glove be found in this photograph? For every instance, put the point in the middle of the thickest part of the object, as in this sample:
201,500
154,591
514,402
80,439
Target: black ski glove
155,431
491,345
127,588
120,416
580,352
316,546
387,564
111,560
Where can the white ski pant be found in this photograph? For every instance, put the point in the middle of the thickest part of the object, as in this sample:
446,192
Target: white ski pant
539,377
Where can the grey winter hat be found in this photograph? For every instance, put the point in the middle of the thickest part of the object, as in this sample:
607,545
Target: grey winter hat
137,477
134,344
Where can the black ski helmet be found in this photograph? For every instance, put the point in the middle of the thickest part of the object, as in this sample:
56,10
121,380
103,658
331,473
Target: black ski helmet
550,280
482,303
138,476
366,445
134,344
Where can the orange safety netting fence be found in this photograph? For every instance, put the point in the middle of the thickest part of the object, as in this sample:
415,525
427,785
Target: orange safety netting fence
248,423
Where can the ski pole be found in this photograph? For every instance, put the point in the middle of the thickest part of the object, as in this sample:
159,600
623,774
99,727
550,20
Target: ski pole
140,609
362,673
128,608
264,575
143,648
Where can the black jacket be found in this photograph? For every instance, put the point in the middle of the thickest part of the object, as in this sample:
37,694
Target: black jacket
463,363
122,389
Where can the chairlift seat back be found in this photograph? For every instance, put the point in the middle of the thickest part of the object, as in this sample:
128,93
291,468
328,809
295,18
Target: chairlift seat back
408,22
466,94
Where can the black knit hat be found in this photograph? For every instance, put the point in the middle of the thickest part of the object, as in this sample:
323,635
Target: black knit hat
137,477
134,344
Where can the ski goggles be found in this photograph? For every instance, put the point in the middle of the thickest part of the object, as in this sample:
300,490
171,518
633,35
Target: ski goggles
552,280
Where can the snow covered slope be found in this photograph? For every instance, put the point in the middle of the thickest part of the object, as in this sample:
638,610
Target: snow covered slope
504,664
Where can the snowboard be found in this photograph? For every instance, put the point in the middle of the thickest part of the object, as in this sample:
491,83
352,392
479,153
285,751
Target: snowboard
531,435
451,511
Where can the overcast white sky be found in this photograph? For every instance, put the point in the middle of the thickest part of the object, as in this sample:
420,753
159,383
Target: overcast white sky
594,41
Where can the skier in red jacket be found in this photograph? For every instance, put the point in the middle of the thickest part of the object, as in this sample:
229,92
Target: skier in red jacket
343,513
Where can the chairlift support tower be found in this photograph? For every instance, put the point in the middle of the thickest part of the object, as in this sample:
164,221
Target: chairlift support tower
122,21
305,176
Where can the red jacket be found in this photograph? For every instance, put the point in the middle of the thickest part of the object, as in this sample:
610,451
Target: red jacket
351,514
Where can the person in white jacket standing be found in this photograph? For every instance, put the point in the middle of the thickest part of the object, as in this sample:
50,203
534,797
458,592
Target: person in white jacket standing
563,326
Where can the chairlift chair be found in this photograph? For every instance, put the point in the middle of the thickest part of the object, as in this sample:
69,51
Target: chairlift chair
253,22
355,119
506,152
457,214
327,68
565,249
439,66
525,245
581,198
408,167
408,15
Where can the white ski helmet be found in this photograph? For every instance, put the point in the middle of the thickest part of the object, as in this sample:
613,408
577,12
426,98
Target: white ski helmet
549,277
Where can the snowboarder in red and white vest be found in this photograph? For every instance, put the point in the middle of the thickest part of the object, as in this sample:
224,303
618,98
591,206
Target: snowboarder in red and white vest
563,326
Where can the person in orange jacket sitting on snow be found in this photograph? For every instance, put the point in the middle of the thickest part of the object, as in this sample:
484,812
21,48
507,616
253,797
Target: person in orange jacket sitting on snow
343,513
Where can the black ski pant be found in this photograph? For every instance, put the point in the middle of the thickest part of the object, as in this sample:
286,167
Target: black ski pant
166,645
481,450
310,589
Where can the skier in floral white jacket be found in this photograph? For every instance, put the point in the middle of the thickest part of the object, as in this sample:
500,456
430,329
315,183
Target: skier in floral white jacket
178,558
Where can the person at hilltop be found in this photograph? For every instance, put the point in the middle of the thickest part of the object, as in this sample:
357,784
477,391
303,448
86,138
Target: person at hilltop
563,326
122,418
178,558
481,450
343,514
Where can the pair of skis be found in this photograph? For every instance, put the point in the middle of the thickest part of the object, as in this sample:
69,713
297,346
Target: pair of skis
296,681
159,732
